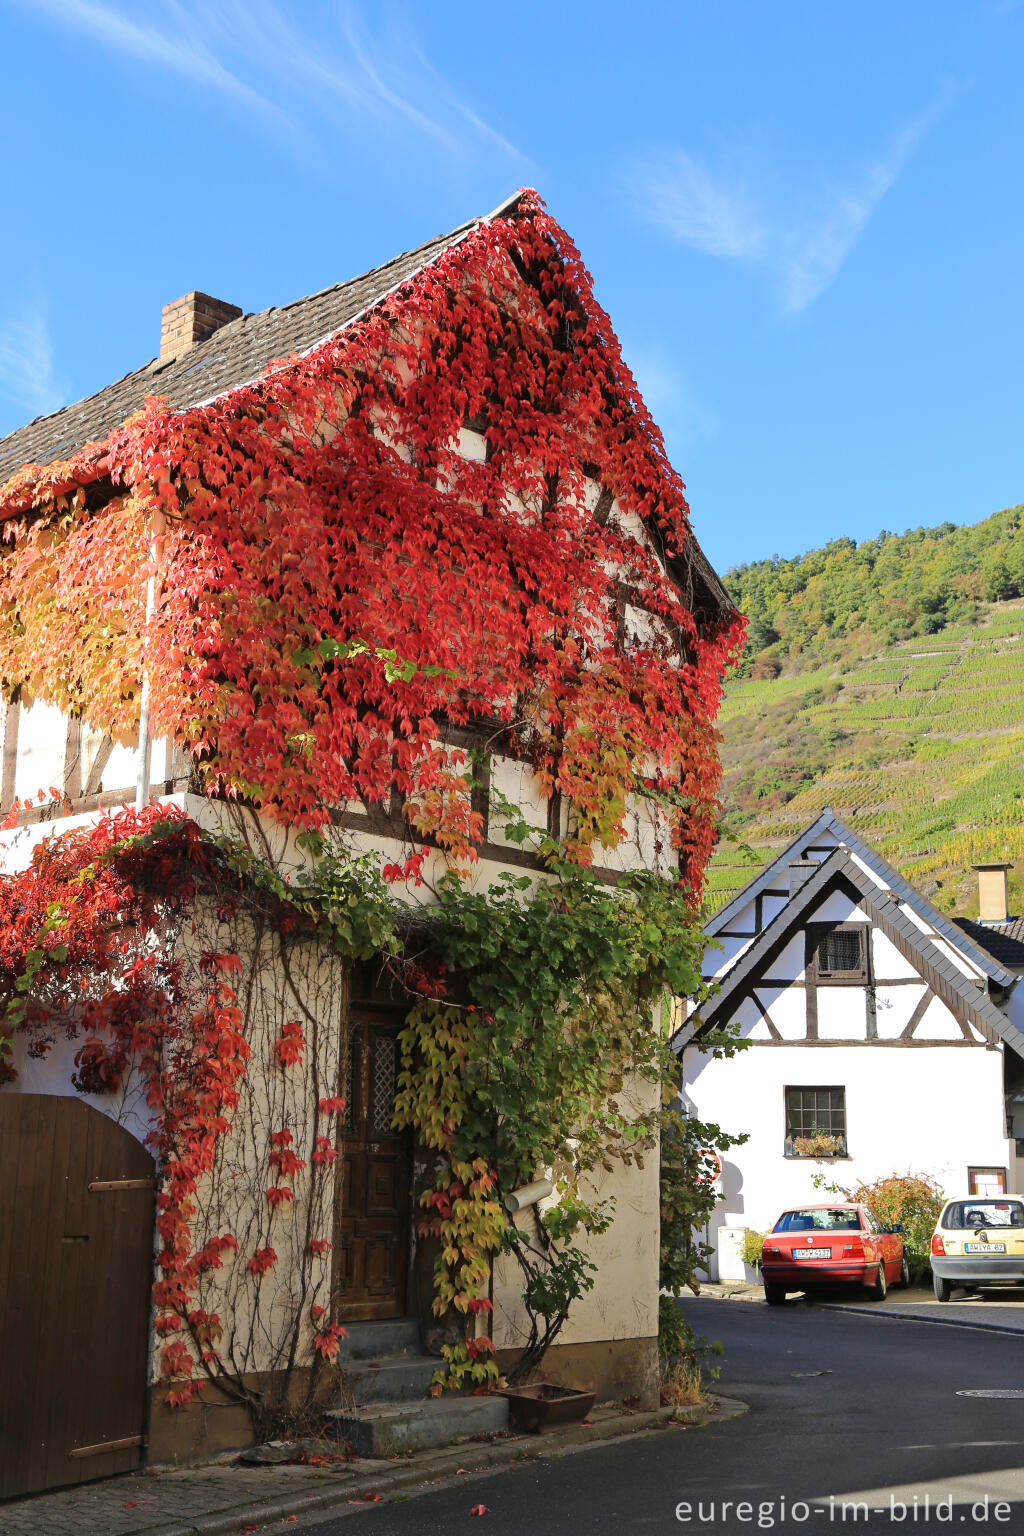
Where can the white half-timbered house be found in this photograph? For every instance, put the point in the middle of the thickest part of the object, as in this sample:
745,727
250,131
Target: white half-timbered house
881,1037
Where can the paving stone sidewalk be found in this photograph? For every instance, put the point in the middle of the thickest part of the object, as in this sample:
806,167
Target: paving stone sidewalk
227,1497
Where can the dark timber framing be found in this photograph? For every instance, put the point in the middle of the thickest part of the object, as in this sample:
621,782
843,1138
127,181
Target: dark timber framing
809,841
966,999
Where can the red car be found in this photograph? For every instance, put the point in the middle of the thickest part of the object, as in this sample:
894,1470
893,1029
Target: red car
822,1245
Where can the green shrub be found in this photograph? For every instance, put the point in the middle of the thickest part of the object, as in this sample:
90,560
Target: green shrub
753,1242
910,1200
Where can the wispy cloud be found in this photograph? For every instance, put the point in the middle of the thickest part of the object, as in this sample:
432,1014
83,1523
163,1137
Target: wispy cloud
178,45
28,379
801,247
290,64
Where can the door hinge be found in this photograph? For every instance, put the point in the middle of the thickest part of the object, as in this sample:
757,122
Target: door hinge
126,1444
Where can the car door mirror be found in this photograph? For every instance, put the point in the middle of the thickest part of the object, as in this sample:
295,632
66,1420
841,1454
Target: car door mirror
896,1228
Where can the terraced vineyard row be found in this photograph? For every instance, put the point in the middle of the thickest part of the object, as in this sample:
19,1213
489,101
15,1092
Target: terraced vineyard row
920,748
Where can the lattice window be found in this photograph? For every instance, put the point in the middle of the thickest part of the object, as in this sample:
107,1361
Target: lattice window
347,1118
815,1122
841,954
382,1088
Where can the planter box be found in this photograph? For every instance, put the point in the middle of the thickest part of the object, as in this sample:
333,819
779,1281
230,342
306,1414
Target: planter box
533,1409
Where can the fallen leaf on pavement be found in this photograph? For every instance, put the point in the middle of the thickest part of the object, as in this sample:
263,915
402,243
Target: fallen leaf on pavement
810,1373
479,1509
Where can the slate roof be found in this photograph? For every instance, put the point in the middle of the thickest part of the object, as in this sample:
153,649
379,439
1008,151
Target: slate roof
1004,941
946,979
234,355
965,940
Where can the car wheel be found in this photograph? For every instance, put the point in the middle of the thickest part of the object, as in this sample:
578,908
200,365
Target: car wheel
904,1279
775,1295
878,1288
943,1289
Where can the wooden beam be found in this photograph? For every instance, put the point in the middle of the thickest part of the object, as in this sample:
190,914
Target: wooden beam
73,759
763,1011
12,716
99,762
920,1009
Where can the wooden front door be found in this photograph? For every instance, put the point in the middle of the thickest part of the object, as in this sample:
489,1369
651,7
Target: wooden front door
372,1214
76,1274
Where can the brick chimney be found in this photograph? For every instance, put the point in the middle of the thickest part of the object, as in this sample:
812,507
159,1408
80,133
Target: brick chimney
192,319
993,897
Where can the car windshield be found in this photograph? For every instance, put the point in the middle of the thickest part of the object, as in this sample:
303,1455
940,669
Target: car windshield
971,1215
817,1219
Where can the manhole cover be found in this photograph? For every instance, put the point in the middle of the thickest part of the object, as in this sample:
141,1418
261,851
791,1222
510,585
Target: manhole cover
993,1392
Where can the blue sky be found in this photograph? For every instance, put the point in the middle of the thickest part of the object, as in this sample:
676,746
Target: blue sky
806,220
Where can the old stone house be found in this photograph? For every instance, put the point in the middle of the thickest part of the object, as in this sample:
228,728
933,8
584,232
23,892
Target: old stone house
212,356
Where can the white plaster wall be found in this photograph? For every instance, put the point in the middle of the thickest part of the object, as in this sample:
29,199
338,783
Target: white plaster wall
42,733
894,1008
52,1073
42,754
624,1301
743,920
842,1013
718,960
837,908
787,1009
790,963
752,1025
938,1023
936,1110
889,964
771,906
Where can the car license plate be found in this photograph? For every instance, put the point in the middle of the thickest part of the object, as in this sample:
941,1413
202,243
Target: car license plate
812,1253
984,1247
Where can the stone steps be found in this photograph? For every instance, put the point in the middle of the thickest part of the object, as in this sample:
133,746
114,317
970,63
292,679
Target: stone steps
394,1427
385,1406
391,1379
373,1341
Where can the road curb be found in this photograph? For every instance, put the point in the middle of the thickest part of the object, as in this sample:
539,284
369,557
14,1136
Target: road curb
915,1317
441,1467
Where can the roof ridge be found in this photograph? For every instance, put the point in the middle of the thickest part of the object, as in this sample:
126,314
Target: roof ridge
86,420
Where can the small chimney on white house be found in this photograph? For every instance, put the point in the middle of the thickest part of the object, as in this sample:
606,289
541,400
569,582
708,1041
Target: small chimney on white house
993,896
800,871
191,319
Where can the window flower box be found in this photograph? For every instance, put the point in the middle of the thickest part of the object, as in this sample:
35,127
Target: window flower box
820,1144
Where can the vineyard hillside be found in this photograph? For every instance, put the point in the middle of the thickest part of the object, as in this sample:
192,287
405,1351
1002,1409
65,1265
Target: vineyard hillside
916,742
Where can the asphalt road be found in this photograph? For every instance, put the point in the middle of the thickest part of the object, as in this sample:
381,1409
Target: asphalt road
881,1442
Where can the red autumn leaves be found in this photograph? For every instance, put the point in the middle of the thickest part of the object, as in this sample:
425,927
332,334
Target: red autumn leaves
337,579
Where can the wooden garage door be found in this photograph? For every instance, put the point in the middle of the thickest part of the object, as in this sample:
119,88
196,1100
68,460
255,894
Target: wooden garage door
76,1269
